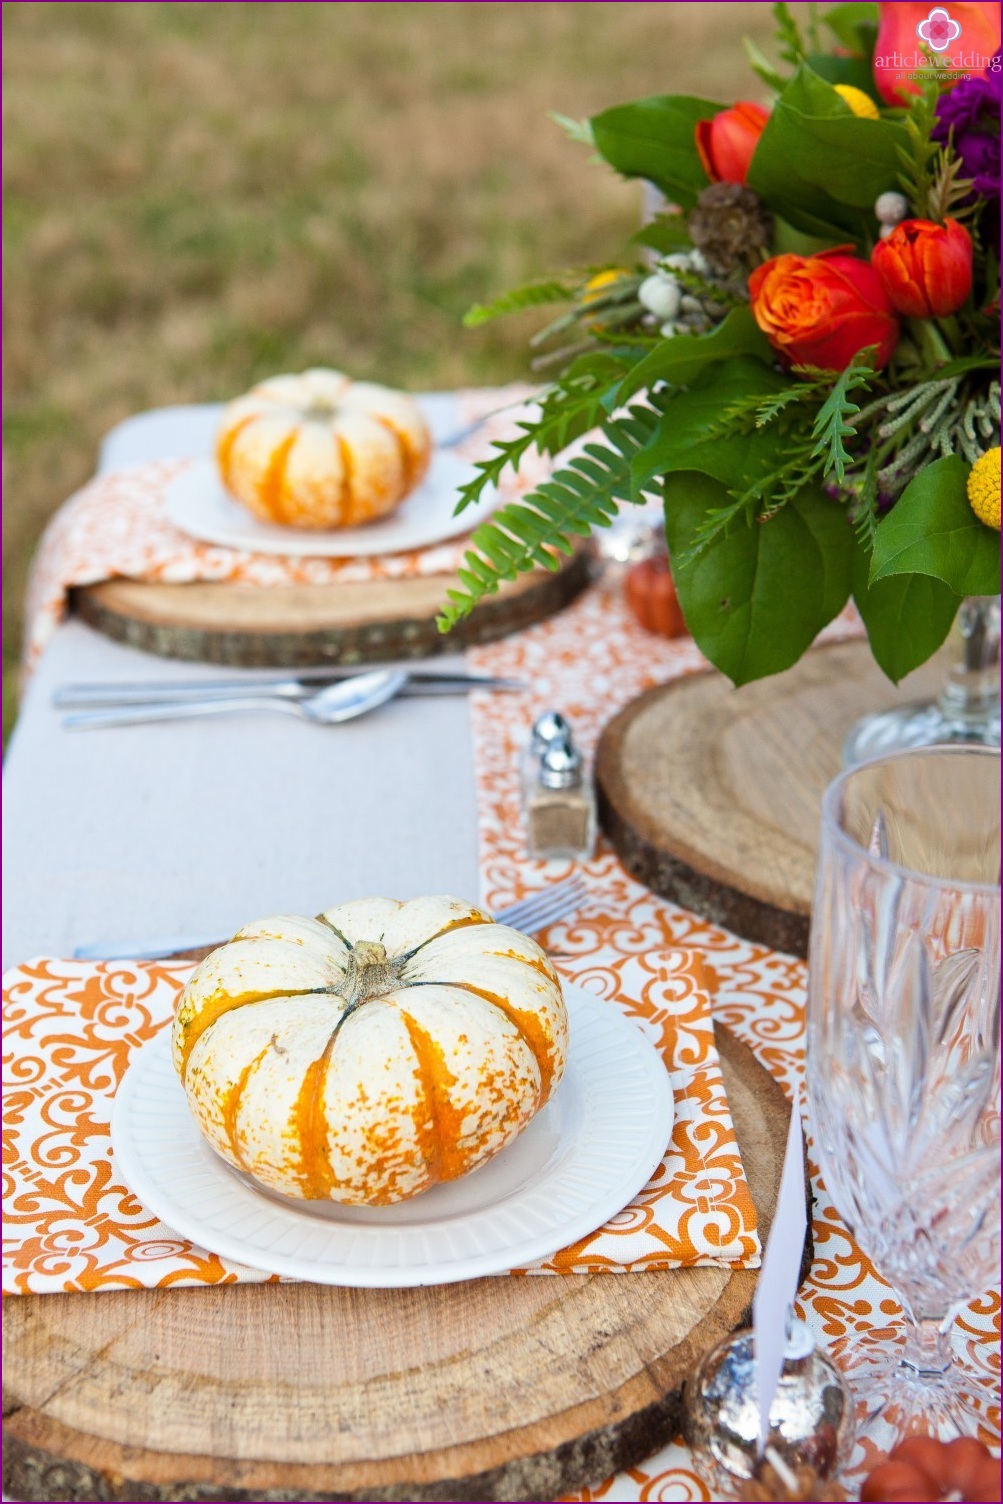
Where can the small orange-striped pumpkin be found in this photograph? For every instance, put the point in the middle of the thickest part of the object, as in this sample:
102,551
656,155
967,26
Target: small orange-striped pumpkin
322,451
365,1055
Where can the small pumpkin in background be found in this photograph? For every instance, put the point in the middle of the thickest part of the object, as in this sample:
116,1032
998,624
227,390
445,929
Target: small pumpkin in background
322,451
922,1468
651,596
365,1055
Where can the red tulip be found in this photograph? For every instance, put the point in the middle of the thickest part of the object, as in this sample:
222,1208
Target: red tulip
726,142
820,310
960,38
925,269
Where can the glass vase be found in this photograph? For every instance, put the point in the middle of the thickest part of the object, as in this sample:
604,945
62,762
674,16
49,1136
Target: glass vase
968,708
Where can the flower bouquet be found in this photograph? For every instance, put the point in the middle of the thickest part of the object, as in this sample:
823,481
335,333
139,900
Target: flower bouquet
804,366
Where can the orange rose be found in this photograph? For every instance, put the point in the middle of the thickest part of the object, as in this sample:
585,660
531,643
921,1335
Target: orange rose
726,142
820,310
925,269
959,38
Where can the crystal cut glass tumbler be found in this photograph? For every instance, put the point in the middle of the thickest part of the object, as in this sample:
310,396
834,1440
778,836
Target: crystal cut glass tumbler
904,1066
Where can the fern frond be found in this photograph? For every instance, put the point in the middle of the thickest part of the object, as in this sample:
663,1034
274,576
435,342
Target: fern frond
948,193
582,495
566,412
789,43
747,414
761,66
833,422
865,510
530,295
576,130
917,159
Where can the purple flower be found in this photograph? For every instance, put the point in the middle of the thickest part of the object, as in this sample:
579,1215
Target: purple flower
972,110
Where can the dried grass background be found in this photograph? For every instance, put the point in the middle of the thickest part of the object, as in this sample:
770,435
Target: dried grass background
199,195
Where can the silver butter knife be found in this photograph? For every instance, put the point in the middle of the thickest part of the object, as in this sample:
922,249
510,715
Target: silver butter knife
285,687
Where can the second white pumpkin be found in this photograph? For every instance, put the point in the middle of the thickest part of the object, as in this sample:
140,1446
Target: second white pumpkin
322,451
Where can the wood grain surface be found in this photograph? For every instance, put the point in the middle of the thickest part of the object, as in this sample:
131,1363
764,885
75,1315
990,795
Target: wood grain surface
712,795
504,1388
286,626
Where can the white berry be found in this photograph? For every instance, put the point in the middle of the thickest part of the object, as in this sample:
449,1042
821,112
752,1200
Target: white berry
660,295
890,208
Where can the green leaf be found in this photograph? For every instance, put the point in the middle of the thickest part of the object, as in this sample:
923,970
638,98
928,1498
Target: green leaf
763,68
907,616
667,232
654,139
756,599
687,436
964,364
855,25
582,495
684,356
855,71
819,166
932,530
787,240
530,295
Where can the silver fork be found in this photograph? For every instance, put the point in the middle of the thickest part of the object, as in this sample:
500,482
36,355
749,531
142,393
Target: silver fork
529,915
544,908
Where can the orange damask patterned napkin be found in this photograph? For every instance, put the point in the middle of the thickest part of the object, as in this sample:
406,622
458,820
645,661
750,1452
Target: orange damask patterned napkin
71,1224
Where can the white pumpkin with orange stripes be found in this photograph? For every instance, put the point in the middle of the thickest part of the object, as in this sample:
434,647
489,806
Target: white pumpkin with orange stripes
322,451
365,1055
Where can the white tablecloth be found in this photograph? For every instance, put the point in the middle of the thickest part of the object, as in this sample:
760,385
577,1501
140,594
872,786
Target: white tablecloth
193,827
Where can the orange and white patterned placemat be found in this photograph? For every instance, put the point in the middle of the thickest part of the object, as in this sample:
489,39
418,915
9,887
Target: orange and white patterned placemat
71,1224
117,527
588,661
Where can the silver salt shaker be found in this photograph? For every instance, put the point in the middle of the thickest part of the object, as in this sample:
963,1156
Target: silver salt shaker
548,728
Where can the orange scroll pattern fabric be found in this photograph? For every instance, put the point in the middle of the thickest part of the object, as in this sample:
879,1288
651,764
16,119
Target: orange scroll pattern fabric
117,527
70,1029
588,662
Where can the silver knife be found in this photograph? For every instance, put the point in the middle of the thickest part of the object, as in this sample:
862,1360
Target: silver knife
285,687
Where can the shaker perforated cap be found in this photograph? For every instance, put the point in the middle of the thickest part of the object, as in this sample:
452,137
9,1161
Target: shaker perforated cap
561,766
548,728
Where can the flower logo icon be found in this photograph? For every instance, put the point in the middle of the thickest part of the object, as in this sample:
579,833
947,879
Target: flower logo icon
939,29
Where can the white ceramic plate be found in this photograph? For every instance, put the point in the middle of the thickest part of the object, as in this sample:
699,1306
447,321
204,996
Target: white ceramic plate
580,1161
199,505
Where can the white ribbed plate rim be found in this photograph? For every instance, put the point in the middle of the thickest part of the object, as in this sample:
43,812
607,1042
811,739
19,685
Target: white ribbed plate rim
581,1160
199,504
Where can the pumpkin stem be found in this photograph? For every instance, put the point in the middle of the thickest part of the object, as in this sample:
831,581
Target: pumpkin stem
370,973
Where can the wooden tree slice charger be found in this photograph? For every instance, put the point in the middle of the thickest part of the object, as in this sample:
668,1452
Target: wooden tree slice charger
712,795
506,1388
288,626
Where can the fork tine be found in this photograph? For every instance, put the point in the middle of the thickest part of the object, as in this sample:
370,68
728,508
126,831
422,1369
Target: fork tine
517,911
542,909
552,912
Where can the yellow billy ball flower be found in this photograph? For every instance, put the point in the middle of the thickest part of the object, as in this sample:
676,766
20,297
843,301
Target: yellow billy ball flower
593,292
600,283
860,103
984,488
